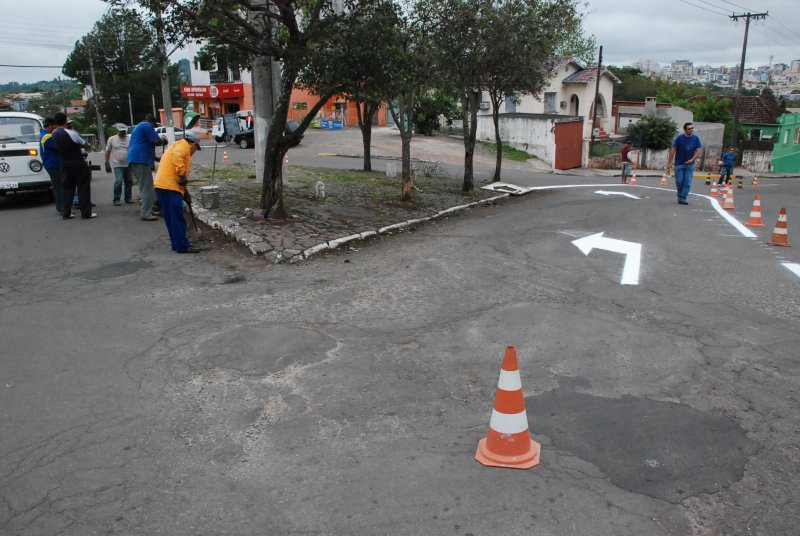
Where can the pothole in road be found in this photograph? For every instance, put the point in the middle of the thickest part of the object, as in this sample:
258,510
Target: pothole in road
660,449
259,351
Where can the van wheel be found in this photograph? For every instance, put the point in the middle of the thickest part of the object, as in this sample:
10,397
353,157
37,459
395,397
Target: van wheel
244,144
228,138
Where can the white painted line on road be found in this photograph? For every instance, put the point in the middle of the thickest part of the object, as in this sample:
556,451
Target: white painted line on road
792,267
631,250
603,192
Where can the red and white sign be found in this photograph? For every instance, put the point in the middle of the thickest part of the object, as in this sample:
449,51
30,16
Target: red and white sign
218,91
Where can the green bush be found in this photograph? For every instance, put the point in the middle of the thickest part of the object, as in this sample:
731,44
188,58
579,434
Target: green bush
652,132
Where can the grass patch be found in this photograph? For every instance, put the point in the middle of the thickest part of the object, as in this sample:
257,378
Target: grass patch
508,152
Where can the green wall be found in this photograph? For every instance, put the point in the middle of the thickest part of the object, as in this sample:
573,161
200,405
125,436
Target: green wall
786,152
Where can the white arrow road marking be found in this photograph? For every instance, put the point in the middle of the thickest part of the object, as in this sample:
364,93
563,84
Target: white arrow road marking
603,192
631,250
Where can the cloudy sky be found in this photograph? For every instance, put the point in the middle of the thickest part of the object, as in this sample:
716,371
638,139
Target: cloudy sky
42,32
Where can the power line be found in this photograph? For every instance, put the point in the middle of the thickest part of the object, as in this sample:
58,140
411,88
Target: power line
779,23
33,66
722,8
704,8
736,5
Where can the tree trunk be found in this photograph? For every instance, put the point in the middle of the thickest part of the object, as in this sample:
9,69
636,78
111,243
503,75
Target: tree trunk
365,124
469,115
499,142
405,123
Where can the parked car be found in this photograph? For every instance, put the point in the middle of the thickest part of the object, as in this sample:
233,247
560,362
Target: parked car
246,138
162,132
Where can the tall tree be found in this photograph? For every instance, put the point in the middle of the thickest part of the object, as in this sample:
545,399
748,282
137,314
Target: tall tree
285,30
526,40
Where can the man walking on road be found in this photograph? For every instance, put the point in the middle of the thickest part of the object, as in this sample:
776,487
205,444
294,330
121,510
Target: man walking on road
142,161
76,174
686,149
728,161
625,157
171,181
51,160
117,158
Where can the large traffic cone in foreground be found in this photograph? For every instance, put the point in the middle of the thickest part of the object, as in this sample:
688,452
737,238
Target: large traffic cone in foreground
713,189
755,214
225,156
633,178
728,204
509,443
780,235
664,179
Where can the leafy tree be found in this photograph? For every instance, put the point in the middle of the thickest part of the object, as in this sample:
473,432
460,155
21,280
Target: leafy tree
652,132
431,106
525,40
355,62
289,31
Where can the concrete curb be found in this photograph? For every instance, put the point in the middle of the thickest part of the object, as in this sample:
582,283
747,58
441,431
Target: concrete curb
258,246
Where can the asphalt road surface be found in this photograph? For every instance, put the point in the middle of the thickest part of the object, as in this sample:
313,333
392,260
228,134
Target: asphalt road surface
143,392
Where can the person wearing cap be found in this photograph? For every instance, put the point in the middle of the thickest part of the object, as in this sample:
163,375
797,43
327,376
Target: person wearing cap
50,159
76,175
170,187
117,158
142,161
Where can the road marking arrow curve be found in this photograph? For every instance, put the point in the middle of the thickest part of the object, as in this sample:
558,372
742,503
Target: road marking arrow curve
603,192
631,250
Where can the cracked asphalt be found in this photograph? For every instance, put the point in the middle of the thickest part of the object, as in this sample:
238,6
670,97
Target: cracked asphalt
147,393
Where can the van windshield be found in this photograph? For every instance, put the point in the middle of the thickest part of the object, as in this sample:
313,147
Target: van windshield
19,129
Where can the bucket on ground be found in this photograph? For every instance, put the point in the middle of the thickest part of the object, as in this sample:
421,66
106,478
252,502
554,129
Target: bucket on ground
209,196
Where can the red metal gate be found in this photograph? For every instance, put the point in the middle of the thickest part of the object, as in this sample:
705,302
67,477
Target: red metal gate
569,144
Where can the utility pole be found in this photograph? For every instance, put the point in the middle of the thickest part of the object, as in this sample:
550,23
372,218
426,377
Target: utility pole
61,92
736,107
101,135
163,61
596,93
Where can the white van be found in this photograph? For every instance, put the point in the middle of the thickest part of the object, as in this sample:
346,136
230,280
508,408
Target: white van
20,162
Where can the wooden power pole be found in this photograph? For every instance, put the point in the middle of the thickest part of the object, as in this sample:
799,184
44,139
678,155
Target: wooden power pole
736,107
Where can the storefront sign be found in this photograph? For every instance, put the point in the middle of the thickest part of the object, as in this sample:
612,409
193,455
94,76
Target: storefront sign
218,91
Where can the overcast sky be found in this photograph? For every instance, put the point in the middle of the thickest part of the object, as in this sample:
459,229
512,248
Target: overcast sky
43,32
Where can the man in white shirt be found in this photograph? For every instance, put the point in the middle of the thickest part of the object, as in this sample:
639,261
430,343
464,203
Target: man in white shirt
117,158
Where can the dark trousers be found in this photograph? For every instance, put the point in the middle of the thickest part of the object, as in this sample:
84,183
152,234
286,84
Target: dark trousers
172,211
76,176
725,172
55,180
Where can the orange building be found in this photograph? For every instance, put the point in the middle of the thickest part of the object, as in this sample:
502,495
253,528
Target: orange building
336,109
217,100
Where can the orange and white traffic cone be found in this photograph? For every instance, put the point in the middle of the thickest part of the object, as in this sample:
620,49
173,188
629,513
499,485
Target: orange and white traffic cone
713,189
633,179
780,235
728,204
509,443
225,158
755,181
664,179
755,214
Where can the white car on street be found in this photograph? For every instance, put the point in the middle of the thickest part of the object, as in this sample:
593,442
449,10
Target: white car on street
162,132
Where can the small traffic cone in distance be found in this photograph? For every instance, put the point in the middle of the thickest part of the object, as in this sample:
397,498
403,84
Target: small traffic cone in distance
664,179
509,443
708,179
755,181
780,235
713,189
633,179
728,204
741,183
225,156
755,214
